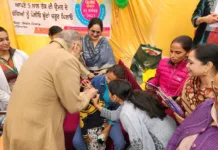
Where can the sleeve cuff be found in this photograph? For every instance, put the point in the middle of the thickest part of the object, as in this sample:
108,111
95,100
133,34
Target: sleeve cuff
194,21
84,103
84,71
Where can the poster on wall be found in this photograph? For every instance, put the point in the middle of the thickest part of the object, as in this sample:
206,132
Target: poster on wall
35,17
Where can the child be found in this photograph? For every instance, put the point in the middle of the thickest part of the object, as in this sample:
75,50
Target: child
92,124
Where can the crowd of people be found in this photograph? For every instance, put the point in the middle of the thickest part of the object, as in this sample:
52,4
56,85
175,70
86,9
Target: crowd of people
79,74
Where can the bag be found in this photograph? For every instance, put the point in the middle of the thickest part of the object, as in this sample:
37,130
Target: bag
146,57
146,76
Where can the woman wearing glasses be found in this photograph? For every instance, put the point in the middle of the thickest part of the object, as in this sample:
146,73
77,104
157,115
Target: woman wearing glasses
11,61
202,67
199,130
97,52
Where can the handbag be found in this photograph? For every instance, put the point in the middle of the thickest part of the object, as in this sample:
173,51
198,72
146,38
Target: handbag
146,57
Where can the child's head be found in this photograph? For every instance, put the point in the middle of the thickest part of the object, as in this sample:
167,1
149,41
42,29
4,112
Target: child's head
121,90
115,72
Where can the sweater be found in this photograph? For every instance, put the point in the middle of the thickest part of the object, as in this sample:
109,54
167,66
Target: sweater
169,77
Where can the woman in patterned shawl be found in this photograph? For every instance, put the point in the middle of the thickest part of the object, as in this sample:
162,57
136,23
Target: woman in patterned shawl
202,72
97,52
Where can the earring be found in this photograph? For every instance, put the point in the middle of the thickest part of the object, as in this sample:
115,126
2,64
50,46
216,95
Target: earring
205,73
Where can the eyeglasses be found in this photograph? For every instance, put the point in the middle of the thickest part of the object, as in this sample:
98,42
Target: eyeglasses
97,32
215,93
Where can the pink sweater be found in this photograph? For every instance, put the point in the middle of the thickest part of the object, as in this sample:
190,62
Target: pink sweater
170,78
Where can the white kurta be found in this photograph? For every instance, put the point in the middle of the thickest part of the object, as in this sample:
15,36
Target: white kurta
19,58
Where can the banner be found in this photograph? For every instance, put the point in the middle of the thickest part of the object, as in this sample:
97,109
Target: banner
35,17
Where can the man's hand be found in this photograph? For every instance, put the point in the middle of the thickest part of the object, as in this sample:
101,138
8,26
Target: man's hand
91,93
86,84
91,75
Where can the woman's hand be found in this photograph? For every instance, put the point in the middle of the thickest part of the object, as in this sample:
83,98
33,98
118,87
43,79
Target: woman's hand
165,104
209,19
148,87
178,118
95,100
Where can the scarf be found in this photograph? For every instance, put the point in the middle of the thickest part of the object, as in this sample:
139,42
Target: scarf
99,57
193,95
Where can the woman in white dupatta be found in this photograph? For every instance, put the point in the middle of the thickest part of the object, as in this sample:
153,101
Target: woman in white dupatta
11,61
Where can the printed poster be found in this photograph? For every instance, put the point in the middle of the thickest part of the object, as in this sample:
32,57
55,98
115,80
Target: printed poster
35,17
